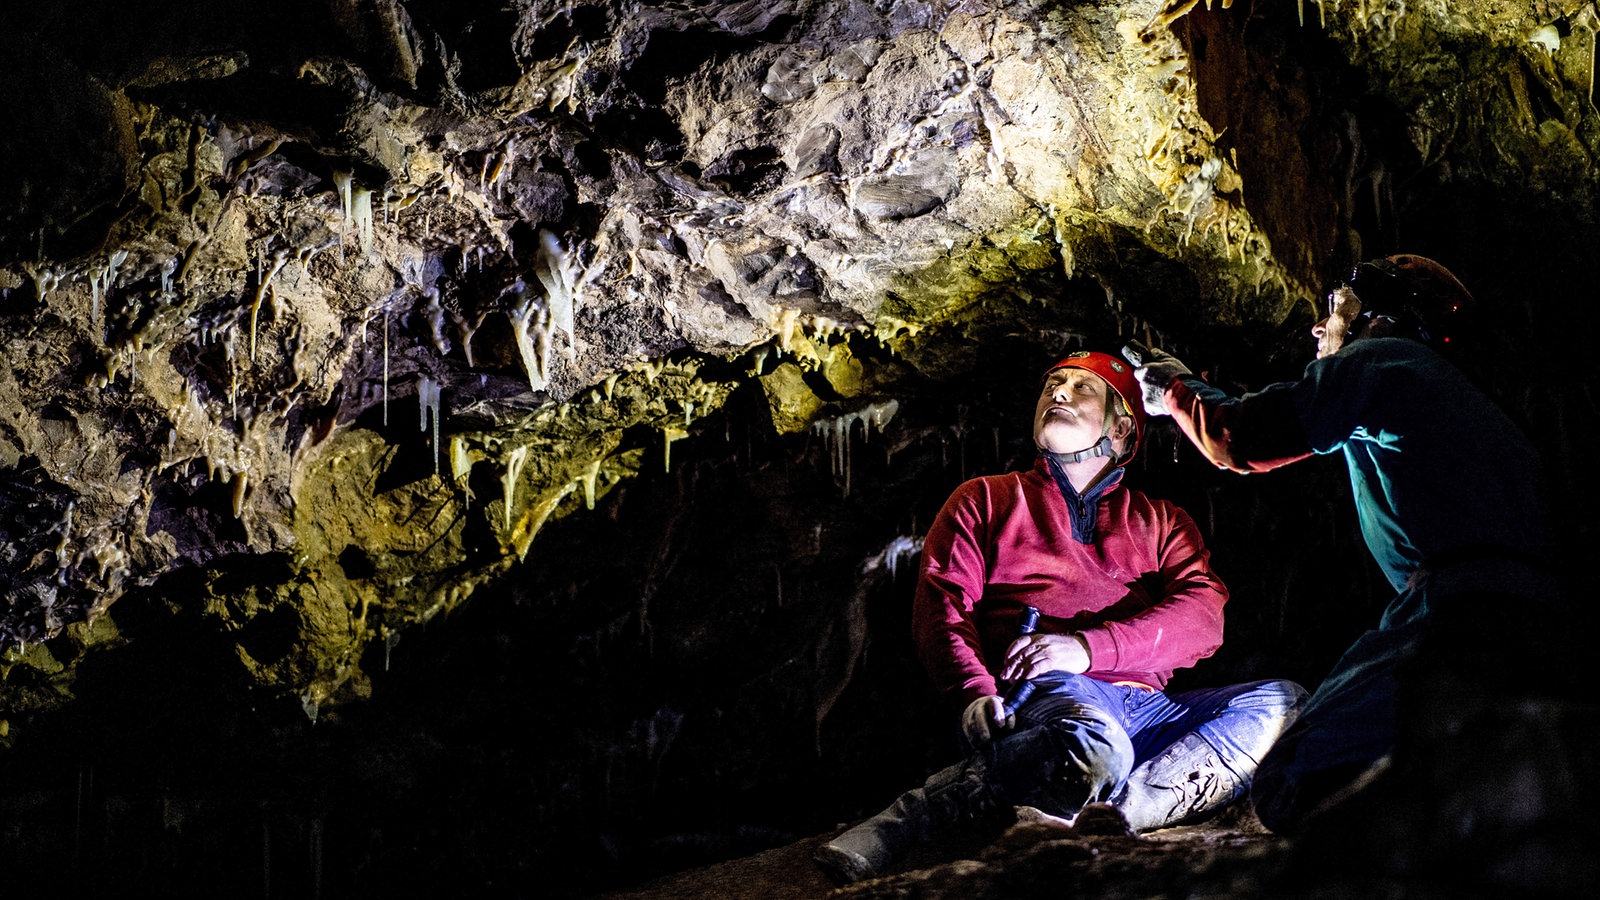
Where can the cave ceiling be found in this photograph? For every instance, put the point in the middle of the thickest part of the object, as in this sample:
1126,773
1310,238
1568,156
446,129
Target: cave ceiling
321,312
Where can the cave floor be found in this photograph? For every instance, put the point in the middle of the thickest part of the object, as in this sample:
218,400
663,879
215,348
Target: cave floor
1232,856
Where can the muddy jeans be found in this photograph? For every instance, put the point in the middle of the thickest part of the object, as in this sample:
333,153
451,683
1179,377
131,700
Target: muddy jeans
1160,758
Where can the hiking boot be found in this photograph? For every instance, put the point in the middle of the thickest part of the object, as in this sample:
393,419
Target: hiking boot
950,799
976,794
842,865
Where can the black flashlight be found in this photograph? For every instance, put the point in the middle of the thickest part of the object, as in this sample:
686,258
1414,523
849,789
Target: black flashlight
1022,691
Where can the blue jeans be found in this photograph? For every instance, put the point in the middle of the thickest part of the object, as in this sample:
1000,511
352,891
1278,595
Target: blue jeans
1160,758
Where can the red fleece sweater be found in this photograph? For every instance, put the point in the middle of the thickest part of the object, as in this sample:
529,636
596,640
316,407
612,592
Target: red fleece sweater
1143,594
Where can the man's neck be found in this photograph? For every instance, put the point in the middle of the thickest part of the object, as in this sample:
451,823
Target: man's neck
1085,474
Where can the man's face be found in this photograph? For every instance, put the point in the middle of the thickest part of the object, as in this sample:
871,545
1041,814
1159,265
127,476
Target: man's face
1343,311
1071,411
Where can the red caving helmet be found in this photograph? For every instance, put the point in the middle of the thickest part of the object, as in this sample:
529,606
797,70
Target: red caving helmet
1119,375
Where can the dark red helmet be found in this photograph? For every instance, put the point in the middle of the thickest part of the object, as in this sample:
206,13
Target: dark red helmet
1414,291
1120,376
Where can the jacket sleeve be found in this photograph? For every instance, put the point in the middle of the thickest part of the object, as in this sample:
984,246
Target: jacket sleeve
1254,433
1184,623
950,583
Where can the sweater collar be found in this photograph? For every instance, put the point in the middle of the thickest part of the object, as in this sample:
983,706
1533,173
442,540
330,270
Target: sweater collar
1082,509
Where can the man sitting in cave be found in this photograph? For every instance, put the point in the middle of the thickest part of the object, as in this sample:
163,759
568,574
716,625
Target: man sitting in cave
1084,596
1448,494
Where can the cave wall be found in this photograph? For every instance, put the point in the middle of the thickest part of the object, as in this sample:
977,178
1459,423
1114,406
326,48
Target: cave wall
488,443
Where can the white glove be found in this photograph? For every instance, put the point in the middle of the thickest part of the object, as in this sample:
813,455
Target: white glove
1155,369
983,717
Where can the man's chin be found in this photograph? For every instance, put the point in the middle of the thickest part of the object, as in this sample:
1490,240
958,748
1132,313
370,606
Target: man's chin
1052,444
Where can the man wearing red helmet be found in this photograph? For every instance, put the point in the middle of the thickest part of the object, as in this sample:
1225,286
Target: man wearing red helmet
1450,503
1112,592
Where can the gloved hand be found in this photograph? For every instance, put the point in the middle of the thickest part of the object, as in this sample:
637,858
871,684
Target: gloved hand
984,717
1155,369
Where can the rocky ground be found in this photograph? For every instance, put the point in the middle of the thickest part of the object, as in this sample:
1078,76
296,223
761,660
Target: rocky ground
1231,857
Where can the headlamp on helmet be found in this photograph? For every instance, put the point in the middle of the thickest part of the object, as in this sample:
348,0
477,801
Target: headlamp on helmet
1414,291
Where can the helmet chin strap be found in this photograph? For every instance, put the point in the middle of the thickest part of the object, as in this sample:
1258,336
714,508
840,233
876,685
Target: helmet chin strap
1101,447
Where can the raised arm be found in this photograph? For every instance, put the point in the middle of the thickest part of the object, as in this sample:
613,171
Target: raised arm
1253,433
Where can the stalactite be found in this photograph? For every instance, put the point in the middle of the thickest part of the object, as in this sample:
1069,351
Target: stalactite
668,435
530,326
101,279
228,344
556,270
45,279
461,465
361,212
241,487
508,480
899,550
263,284
836,433
587,478
428,405
66,535
386,366
343,181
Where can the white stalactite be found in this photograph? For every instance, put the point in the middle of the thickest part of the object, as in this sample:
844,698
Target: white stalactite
836,433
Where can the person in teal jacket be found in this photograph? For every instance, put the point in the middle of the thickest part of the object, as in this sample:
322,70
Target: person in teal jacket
1451,505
